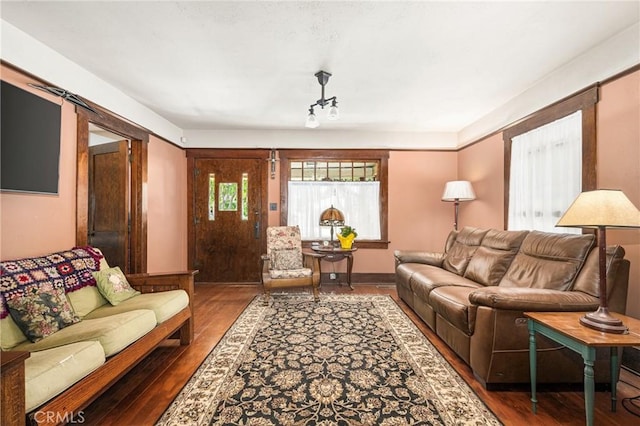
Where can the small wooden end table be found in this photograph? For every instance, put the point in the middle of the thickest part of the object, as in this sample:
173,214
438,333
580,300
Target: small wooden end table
565,328
337,254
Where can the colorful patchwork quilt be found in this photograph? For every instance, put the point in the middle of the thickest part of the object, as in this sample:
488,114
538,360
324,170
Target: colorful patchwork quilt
71,270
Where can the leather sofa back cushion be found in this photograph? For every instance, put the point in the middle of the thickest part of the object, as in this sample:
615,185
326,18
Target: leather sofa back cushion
589,279
450,240
492,259
547,260
465,245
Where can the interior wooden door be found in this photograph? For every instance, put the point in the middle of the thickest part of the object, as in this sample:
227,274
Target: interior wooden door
228,219
108,221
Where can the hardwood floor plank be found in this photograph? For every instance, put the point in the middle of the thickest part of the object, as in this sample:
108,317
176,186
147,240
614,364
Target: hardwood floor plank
141,396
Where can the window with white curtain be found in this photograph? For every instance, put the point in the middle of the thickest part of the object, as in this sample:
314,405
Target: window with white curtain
545,174
550,156
355,181
358,201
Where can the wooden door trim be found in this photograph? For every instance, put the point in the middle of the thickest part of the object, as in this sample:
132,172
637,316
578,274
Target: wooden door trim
233,154
138,232
139,166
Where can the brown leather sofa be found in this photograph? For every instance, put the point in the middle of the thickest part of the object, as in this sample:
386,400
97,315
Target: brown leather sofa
473,296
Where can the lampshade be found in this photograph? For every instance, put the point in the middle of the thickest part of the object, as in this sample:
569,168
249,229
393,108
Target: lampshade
458,190
333,114
602,207
331,217
312,120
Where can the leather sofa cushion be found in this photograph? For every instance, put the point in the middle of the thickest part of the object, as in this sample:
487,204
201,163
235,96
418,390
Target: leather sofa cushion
425,278
492,259
404,271
547,260
450,240
452,303
461,251
588,280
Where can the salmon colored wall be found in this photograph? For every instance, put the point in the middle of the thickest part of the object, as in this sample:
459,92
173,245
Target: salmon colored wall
418,219
33,225
618,133
273,188
482,164
167,207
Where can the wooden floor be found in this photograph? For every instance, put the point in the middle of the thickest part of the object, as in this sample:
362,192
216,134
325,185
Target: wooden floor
144,393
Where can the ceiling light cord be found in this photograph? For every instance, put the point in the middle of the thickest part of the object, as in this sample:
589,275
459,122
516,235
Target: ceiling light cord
333,114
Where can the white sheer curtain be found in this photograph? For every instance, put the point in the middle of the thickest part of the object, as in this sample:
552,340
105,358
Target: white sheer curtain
358,201
546,174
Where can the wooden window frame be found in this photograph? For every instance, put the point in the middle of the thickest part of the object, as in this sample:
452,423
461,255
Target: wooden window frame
288,155
585,101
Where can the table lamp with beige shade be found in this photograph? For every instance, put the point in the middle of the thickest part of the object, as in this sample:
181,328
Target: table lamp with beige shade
601,209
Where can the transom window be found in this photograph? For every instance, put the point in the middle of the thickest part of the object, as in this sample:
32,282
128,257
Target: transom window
341,171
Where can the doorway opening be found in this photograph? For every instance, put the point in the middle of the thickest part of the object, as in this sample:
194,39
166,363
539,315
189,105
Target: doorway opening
111,174
109,220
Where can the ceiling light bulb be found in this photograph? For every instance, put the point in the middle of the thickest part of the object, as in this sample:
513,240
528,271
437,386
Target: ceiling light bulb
312,120
333,111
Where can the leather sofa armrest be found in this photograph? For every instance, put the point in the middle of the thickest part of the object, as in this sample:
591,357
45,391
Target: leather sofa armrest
532,299
409,256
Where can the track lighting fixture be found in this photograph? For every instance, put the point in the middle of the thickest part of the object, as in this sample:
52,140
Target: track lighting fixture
333,114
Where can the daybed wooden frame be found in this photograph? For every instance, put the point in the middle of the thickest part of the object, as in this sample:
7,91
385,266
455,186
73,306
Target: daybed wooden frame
82,393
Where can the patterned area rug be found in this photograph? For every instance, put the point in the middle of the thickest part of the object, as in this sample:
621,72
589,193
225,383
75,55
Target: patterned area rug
346,360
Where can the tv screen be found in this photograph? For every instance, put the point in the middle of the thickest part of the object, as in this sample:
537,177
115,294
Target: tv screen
29,141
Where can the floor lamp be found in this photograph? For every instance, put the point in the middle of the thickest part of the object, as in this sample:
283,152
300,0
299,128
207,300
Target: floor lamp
602,209
456,191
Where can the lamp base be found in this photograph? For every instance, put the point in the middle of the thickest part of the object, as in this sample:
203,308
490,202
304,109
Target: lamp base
602,320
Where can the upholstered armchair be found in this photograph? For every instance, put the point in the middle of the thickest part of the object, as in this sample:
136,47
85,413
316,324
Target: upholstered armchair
285,264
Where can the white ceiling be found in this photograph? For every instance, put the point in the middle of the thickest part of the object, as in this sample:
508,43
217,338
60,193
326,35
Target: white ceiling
420,66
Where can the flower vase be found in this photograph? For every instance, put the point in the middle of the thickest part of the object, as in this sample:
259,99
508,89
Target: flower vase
346,242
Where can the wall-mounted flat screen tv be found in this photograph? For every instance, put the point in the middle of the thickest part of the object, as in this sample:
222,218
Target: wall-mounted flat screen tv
29,141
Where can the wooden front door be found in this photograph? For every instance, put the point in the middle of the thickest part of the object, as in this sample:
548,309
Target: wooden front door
229,218
108,221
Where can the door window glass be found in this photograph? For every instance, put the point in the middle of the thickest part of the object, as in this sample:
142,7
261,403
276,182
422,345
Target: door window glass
228,197
212,196
245,196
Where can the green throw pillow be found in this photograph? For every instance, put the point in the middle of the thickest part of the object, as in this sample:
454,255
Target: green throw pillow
41,311
113,285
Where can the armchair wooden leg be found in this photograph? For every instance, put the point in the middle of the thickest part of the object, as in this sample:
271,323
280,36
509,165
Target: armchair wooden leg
267,295
316,296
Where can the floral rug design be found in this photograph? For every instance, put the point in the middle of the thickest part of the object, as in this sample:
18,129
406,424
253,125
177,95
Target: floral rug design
346,360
